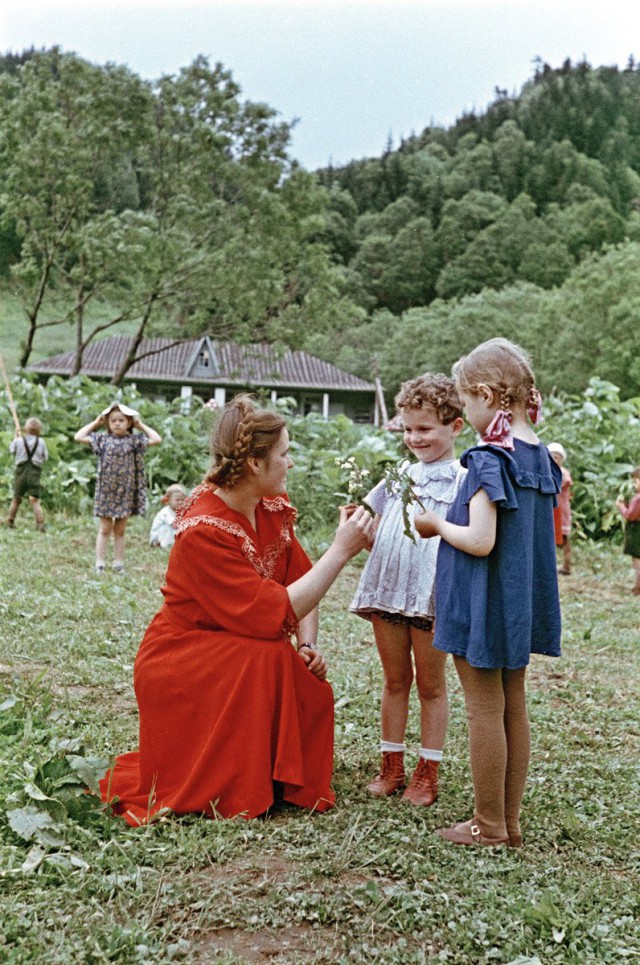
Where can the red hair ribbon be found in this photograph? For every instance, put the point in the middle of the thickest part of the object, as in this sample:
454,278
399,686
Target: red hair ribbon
498,431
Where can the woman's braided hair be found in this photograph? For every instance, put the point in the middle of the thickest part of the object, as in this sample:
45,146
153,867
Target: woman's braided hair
243,430
503,366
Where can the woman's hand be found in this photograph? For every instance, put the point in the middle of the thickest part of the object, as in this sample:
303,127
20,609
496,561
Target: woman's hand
314,660
427,523
356,530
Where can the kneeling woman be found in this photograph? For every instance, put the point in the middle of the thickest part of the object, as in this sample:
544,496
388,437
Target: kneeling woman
227,705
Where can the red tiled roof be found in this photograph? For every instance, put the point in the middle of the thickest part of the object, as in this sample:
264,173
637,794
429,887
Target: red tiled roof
246,365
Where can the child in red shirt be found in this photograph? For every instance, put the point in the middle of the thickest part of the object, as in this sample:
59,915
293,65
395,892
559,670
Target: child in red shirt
562,512
631,513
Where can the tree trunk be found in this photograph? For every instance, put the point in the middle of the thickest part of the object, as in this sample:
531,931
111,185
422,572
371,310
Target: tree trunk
27,345
77,361
131,356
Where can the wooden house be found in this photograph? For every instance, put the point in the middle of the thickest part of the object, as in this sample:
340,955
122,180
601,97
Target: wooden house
167,368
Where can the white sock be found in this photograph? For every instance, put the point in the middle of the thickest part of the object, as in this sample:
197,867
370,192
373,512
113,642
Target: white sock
387,746
428,755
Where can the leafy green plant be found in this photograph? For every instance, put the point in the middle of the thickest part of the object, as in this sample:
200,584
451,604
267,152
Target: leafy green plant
53,791
601,434
599,430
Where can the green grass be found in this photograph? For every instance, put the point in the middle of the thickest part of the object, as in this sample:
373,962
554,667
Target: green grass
367,882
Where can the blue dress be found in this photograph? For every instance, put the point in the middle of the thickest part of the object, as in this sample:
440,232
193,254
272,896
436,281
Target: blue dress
498,609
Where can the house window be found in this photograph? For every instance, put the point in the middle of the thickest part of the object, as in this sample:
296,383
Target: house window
204,358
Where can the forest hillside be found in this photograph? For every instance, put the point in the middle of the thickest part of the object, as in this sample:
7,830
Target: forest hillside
175,208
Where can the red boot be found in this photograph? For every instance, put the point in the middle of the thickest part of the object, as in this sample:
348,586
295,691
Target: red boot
423,787
391,777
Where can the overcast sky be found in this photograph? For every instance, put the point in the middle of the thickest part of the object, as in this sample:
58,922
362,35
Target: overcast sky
352,71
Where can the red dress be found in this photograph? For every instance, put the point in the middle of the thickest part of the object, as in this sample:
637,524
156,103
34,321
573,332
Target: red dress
226,704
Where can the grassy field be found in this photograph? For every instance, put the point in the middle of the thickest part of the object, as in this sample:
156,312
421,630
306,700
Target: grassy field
369,881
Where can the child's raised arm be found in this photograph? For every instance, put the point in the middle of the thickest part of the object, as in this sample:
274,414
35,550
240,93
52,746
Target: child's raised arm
477,539
82,435
151,434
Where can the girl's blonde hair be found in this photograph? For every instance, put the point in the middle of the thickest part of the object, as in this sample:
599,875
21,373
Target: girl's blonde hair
33,426
503,366
244,430
635,473
173,490
437,392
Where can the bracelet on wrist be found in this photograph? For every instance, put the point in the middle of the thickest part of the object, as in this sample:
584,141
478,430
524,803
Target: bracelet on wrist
309,646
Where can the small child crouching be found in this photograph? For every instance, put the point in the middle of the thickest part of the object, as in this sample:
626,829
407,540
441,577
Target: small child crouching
162,532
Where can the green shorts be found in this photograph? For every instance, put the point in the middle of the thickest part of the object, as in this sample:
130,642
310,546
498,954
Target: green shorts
26,481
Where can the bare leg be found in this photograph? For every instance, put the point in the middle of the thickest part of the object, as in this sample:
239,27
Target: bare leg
13,510
119,528
37,511
105,530
485,703
516,725
432,689
394,646
636,567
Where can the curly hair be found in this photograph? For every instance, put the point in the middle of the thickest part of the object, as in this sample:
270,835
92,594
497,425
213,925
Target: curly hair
437,392
243,430
503,366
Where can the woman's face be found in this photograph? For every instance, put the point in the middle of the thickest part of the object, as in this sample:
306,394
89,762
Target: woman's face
274,468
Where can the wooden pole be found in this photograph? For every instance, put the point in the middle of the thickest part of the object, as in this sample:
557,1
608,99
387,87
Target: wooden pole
12,405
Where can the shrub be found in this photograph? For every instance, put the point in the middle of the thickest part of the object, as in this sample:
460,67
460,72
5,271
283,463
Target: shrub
600,432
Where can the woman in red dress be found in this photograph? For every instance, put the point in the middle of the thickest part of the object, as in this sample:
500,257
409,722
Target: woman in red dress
227,705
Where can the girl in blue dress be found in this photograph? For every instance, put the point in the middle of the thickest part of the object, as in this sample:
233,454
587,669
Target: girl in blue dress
496,583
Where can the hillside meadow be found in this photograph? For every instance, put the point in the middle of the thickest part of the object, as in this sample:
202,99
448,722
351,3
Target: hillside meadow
369,881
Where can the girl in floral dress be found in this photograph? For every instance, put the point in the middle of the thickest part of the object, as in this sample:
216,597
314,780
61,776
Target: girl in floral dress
121,488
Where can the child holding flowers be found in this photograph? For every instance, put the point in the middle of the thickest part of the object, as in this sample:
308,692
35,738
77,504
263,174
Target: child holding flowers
396,588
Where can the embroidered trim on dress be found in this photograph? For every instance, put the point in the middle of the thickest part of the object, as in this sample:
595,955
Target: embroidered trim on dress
189,501
264,565
279,504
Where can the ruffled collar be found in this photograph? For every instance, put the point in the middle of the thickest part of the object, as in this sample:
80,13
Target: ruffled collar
424,473
528,464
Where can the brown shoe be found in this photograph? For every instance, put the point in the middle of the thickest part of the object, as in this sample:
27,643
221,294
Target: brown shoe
468,833
423,786
391,777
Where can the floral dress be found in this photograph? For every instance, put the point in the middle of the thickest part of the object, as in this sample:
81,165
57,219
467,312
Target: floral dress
121,487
